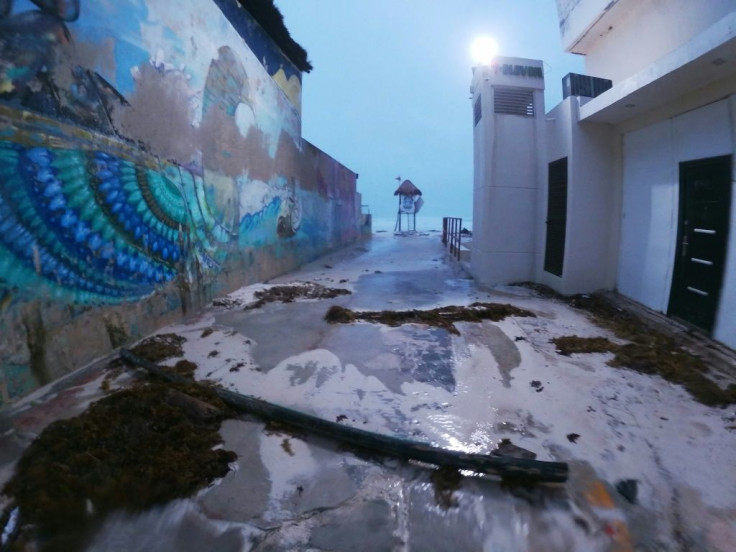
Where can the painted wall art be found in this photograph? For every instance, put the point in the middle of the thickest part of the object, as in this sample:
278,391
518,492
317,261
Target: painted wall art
144,143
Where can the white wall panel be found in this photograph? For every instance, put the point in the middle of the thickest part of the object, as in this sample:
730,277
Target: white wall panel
648,226
651,197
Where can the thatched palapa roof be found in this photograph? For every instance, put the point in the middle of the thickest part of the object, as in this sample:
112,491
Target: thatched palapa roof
408,189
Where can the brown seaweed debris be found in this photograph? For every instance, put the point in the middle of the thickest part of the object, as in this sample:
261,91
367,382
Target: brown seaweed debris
288,294
164,346
572,344
226,302
442,317
649,350
154,349
131,450
184,368
445,481
660,355
654,353
286,446
160,347
541,289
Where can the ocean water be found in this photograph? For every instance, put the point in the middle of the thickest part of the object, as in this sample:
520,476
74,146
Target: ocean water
424,223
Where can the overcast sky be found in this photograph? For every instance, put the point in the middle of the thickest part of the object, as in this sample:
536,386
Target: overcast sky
389,92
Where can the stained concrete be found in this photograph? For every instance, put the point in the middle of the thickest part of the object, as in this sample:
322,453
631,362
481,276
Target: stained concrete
504,350
179,525
416,354
367,527
253,482
411,289
300,329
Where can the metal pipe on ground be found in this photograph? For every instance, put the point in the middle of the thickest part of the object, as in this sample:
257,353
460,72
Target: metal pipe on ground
508,468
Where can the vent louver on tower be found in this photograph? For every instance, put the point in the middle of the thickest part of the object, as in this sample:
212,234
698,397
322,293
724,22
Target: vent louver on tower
513,101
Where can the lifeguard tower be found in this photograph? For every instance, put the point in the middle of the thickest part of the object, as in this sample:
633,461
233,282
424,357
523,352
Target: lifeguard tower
410,201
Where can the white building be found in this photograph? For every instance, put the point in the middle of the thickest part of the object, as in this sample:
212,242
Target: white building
626,184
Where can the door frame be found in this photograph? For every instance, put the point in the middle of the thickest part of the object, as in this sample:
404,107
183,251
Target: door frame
679,262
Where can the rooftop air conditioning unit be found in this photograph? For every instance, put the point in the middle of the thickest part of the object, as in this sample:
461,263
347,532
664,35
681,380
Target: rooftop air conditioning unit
584,85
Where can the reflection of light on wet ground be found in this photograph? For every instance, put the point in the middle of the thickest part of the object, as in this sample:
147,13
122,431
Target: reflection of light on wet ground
180,525
457,433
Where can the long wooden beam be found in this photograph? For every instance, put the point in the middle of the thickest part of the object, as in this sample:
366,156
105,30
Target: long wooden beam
508,468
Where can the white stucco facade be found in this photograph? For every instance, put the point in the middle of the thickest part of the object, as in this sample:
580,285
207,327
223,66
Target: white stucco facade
650,196
672,103
506,184
592,200
650,206
621,37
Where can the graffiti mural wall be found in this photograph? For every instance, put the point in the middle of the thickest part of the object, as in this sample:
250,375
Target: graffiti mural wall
149,159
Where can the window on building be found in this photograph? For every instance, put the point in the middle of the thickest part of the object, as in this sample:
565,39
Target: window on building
477,111
513,101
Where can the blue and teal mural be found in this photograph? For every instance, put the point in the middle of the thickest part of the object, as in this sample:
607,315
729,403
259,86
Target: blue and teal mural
144,147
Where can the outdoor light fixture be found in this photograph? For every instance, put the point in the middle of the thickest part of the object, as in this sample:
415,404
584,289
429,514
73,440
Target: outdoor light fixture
483,50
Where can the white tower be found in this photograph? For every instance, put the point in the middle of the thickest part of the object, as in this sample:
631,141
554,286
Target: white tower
508,114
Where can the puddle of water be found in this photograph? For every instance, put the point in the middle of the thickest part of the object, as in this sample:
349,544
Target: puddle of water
281,330
179,526
400,290
490,516
408,353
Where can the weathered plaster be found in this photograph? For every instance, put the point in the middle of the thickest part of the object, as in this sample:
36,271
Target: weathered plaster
147,163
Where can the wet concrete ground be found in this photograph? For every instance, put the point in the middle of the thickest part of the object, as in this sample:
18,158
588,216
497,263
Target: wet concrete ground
496,380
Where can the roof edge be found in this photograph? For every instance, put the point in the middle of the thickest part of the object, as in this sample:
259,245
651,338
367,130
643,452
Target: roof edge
270,18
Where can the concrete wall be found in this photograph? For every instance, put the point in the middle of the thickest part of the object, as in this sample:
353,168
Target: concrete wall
577,17
650,206
623,37
591,252
725,328
150,158
593,200
559,126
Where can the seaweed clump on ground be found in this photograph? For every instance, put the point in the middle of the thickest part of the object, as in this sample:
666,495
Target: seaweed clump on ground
154,349
442,317
649,351
131,450
287,294
160,347
572,344
445,481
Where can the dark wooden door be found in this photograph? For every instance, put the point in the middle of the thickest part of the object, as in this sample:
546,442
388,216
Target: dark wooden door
554,252
705,200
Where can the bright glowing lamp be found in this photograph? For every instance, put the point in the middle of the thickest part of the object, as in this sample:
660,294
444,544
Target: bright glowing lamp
483,50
